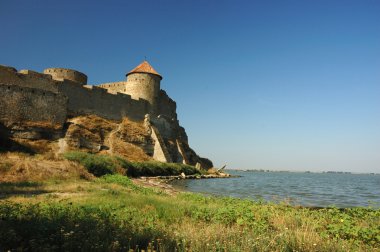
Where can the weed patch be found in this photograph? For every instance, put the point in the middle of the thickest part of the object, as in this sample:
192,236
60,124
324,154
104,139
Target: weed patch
100,165
96,164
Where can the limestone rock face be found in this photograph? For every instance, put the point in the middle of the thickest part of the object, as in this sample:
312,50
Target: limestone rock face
136,141
175,142
81,134
99,135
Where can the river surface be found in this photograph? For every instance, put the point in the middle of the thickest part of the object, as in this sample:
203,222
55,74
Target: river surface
306,189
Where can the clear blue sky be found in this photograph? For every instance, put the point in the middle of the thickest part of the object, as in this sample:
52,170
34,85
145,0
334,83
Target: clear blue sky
279,85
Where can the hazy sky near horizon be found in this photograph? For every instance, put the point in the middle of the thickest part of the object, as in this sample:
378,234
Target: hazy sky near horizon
279,85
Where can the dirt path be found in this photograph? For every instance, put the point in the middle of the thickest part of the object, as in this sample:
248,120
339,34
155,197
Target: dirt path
156,183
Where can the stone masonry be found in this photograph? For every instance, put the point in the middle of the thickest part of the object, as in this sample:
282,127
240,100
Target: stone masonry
45,102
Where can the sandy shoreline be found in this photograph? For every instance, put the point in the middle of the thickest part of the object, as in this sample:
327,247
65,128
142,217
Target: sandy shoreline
154,182
163,182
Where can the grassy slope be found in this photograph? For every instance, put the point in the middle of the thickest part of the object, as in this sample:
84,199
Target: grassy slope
112,213
105,164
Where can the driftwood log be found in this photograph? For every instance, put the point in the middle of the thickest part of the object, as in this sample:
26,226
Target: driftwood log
221,169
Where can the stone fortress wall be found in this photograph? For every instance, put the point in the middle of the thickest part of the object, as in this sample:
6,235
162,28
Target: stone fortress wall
31,106
144,85
115,87
27,78
139,86
68,74
95,100
143,82
82,99
166,106
133,98
45,101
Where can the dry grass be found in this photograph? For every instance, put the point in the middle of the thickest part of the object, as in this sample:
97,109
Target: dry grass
127,141
42,124
18,167
127,150
130,129
88,132
124,139
37,146
94,123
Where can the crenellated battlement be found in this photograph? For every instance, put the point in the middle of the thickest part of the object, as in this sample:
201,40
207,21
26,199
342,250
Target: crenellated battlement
37,91
52,78
27,78
100,90
8,68
116,87
127,96
142,82
34,74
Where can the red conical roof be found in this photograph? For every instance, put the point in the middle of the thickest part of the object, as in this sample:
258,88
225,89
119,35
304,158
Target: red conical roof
144,67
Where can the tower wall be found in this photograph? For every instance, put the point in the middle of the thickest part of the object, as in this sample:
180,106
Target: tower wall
33,107
97,101
145,86
27,78
115,87
69,74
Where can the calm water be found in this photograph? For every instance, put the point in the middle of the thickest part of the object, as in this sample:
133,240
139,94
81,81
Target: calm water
307,189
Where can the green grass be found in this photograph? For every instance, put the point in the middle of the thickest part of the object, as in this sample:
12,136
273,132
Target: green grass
96,164
113,214
154,168
104,164
127,182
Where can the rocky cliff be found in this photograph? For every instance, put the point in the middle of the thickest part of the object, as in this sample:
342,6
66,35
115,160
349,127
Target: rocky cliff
136,141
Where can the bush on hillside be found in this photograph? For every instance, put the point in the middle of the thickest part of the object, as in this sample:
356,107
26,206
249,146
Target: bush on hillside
154,168
100,165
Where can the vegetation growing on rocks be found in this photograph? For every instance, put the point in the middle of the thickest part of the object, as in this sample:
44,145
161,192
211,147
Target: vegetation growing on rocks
104,164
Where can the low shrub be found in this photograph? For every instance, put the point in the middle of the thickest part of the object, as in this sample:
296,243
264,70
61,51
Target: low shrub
127,182
71,227
98,165
154,168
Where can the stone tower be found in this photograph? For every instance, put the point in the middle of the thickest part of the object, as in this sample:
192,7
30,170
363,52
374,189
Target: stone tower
68,74
144,82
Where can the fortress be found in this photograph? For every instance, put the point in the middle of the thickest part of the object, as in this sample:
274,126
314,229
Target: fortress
46,105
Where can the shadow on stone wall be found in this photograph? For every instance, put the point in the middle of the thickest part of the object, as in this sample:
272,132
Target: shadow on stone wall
7,144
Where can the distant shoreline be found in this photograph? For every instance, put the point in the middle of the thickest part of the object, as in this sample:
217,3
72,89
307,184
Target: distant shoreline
317,190
317,172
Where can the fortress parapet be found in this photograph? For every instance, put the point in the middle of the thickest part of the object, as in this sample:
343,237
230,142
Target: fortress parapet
63,73
34,74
